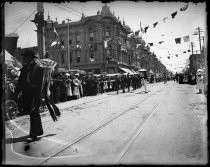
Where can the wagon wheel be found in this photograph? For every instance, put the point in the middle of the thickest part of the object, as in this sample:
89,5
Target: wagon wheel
11,109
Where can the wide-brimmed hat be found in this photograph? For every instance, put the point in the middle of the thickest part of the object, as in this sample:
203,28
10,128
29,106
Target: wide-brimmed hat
76,81
199,70
29,52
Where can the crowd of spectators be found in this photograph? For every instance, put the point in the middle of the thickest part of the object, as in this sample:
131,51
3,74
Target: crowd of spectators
65,87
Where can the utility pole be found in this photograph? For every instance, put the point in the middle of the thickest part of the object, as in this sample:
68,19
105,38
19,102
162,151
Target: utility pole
40,23
192,45
68,51
198,32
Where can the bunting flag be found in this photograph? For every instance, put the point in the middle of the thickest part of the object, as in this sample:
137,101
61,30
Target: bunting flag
184,8
186,38
142,30
155,24
161,42
176,55
54,30
137,33
173,14
188,50
151,44
164,19
145,29
184,52
168,57
178,40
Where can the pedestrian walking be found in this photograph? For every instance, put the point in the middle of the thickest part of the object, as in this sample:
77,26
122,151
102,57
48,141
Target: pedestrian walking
144,78
30,83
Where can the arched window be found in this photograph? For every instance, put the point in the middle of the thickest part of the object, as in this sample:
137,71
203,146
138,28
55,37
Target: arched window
78,56
117,31
108,32
77,38
91,34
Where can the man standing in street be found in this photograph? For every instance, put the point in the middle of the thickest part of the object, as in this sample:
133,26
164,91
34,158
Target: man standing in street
30,83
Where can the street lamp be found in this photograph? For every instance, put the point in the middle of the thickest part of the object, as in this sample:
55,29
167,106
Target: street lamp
68,51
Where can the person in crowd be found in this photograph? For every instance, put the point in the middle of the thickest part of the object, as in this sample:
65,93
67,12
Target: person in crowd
117,84
128,82
144,78
106,84
200,84
30,83
101,84
80,85
63,89
69,89
76,94
56,87
83,82
123,83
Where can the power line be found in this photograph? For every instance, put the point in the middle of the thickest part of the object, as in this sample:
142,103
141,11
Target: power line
66,10
24,21
71,8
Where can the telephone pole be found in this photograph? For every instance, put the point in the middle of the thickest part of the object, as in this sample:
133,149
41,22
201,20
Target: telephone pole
192,45
40,24
198,32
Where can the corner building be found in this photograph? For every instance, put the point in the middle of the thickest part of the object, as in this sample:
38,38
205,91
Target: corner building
96,43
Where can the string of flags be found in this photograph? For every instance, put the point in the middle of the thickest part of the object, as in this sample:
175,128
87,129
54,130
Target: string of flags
177,40
173,15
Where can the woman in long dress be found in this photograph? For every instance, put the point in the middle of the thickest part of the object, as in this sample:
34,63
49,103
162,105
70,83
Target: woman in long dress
199,79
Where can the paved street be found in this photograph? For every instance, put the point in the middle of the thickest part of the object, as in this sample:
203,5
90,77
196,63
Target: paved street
168,125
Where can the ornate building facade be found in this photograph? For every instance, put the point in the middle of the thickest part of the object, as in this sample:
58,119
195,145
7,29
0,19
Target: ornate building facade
96,43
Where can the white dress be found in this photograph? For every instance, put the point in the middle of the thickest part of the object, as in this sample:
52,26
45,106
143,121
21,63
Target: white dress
200,84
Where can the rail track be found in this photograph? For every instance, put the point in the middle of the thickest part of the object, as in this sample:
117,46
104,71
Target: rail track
105,122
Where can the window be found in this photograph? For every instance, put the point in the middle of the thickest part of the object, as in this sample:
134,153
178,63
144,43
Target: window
91,34
117,31
62,40
62,58
77,38
92,58
78,57
70,40
108,31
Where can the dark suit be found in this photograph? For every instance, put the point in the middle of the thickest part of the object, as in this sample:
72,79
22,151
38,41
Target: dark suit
30,82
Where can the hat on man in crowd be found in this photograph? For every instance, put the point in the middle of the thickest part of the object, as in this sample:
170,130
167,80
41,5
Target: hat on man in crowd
29,52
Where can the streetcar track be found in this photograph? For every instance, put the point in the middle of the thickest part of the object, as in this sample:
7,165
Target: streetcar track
98,126
140,128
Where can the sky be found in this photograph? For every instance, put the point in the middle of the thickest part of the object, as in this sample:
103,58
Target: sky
19,14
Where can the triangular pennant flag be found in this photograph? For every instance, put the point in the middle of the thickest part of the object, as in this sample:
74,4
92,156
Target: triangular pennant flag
151,44
188,50
155,24
186,38
137,33
173,14
184,52
164,19
178,40
161,42
145,29
54,30
184,8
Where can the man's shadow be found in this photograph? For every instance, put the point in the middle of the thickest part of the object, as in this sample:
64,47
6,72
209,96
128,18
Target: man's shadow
24,139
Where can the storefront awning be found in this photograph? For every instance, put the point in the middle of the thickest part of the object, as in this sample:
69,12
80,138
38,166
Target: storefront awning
126,70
